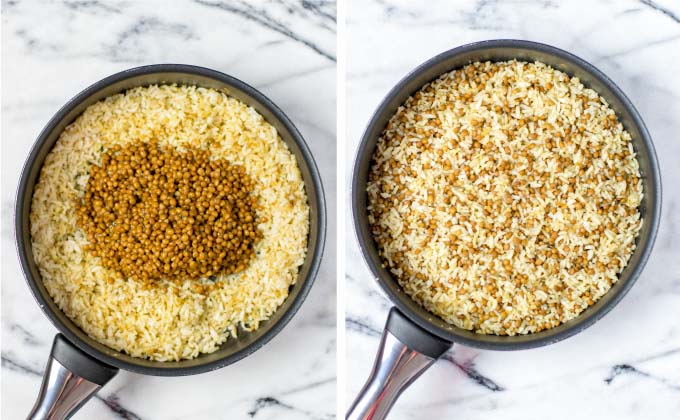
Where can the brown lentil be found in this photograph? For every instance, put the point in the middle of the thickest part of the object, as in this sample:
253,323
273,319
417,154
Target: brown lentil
154,213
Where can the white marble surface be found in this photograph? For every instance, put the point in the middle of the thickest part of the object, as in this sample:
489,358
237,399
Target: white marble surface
627,366
51,51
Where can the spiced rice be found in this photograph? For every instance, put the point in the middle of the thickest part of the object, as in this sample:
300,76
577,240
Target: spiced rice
504,197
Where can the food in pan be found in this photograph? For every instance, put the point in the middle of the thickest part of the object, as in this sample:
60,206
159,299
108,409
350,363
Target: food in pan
504,197
154,213
167,218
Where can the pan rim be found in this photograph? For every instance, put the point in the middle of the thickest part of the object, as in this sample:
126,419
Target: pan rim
315,254
538,340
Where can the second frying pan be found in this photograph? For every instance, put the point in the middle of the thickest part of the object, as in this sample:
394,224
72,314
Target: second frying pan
414,338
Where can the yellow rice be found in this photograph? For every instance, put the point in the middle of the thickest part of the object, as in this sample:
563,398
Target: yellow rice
169,322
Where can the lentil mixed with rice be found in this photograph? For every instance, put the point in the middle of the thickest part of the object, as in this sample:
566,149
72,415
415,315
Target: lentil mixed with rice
504,197
170,318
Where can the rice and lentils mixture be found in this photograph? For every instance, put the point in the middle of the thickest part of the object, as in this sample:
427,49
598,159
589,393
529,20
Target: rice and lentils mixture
167,218
504,197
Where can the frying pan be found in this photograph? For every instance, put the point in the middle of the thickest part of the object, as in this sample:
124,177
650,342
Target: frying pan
78,365
413,338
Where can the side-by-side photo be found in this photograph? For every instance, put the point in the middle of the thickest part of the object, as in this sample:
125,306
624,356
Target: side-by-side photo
170,171
505,195
327,209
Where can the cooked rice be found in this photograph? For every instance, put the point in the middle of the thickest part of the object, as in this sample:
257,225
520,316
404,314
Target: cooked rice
504,197
170,321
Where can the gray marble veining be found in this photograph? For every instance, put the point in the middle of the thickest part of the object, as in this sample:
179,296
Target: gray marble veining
627,366
51,51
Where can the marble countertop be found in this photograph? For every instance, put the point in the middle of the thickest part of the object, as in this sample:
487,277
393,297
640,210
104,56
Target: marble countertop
626,366
51,51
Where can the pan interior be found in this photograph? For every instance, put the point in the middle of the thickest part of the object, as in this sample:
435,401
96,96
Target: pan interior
502,50
234,348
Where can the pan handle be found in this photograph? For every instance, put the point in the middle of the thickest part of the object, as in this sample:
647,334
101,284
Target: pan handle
71,378
405,352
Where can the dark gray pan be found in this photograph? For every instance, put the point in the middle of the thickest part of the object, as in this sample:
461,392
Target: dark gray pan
233,349
500,50
414,338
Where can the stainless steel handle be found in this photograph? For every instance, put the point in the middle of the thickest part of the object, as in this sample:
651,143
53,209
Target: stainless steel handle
71,378
62,393
396,367
405,352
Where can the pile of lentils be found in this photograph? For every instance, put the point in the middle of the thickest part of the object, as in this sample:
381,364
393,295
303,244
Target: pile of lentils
152,213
